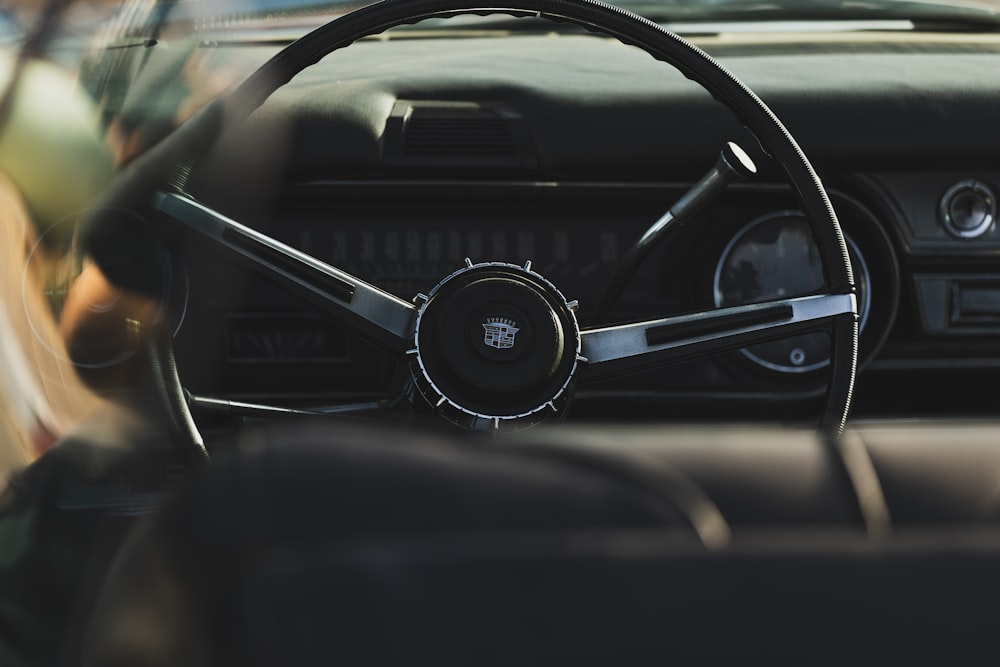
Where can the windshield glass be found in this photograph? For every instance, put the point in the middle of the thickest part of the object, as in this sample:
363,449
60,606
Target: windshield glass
676,9
294,17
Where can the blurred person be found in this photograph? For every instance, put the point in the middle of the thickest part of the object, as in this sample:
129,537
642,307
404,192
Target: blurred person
52,164
77,337
61,440
81,447
64,343
40,393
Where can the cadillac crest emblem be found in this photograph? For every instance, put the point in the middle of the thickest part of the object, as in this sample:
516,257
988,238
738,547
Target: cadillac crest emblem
500,332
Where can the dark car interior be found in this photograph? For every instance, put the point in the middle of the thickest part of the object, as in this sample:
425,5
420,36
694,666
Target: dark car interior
757,281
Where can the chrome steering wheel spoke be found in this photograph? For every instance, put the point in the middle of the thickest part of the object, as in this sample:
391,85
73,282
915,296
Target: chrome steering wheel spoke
626,348
374,314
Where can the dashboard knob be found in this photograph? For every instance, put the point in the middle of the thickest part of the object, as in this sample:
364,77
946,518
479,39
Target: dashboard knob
968,209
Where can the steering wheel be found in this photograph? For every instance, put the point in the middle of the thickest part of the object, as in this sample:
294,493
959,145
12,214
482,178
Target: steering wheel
496,346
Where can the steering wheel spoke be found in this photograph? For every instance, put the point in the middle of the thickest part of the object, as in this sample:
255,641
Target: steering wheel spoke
621,349
368,311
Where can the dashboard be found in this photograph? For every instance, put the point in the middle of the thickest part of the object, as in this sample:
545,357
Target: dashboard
399,157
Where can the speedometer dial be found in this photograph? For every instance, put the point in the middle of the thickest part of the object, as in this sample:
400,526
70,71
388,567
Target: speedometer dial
774,257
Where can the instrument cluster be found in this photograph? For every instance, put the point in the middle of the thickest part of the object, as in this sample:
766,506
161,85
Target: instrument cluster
751,245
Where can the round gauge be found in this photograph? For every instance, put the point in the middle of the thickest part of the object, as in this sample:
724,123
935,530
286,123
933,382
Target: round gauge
967,209
774,257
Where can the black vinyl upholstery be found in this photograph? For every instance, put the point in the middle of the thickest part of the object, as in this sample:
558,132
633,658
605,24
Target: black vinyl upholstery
349,545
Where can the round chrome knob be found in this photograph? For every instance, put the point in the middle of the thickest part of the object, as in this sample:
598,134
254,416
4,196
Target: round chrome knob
968,209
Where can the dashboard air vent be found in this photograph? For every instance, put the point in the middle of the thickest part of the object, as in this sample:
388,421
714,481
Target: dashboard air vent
476,132
456,134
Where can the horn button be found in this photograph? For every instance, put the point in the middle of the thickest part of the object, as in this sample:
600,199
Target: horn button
495,342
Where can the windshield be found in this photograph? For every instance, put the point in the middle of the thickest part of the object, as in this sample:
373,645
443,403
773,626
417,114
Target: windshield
297,16
673,9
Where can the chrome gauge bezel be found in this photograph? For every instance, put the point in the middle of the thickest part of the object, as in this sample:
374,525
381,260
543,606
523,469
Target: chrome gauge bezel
862,278
973,186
